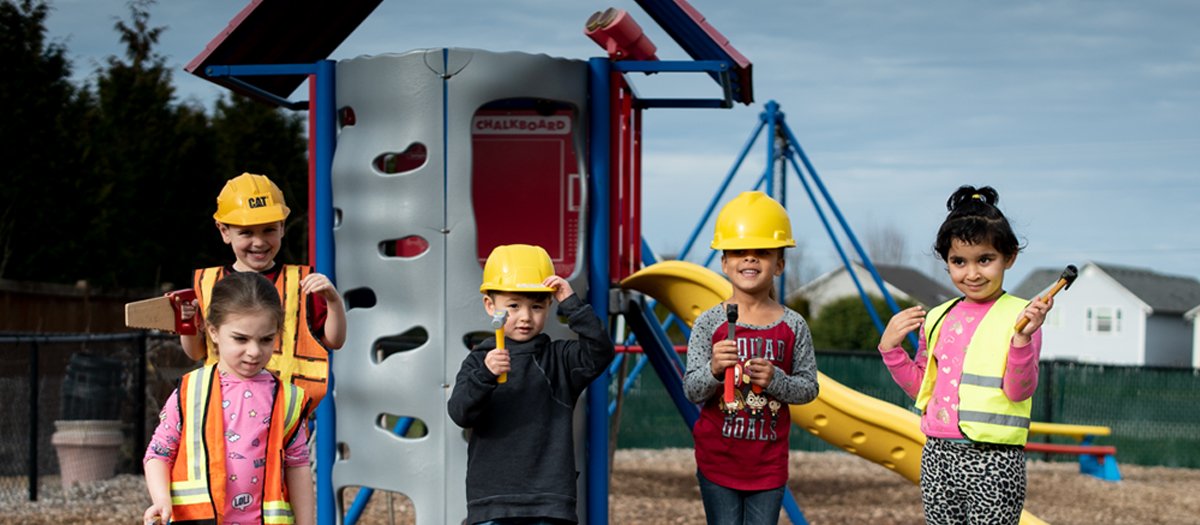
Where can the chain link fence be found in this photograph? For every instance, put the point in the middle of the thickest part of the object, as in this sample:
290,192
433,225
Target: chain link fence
80,407
1153,412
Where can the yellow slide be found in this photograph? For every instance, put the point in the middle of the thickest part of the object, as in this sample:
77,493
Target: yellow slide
855,422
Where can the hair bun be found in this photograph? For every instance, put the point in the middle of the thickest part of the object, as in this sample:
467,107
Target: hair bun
966,197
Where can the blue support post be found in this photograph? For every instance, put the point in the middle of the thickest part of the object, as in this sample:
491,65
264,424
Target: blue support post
326,131
769,118
599,111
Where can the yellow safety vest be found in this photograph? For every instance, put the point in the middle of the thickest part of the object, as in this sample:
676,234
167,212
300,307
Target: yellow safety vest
985,414
299,358
198,475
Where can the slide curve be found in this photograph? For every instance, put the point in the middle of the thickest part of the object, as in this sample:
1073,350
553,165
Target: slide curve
846,418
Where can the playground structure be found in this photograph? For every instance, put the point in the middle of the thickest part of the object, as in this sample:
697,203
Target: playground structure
407,153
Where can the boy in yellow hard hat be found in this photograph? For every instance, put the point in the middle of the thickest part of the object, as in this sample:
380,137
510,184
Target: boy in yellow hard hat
521,456
250,215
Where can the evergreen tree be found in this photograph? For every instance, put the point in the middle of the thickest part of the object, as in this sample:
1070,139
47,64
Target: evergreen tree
39,227
154,162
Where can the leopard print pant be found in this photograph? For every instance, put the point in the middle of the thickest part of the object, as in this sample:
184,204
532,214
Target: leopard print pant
972,483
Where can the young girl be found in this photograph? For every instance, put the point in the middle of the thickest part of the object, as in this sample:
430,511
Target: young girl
974,375
230,447
742,447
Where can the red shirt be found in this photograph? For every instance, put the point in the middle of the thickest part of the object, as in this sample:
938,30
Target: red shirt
748,450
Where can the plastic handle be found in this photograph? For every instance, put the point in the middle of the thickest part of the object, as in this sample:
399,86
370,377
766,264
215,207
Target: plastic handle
731,313
179,297
500,346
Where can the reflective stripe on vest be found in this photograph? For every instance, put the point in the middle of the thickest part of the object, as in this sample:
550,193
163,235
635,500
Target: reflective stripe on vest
198,475
985,413
299,358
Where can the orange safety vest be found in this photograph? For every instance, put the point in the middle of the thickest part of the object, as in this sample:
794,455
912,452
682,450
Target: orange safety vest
299,358
198,475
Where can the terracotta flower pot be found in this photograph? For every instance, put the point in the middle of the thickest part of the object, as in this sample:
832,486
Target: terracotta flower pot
87,449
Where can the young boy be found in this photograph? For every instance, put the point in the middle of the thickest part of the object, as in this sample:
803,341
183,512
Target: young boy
521,454
250,215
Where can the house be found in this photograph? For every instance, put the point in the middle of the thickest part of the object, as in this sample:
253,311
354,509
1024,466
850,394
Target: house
1118,315
1191,318
902,282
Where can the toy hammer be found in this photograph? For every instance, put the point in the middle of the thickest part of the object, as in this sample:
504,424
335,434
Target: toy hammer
498,320
731,313
1068,277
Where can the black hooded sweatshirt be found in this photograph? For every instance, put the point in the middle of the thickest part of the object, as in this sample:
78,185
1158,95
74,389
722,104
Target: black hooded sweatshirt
521,451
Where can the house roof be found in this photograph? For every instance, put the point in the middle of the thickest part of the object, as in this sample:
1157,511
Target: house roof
280,32
1036,282
1166,294
916,284
908,280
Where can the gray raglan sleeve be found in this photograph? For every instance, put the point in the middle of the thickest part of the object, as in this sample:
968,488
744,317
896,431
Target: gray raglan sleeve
699,384
800,386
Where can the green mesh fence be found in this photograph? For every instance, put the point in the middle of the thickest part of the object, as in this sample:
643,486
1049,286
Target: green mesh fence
1153,412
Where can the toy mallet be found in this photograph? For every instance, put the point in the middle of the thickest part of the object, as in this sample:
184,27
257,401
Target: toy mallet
498,320
731,312
1068,277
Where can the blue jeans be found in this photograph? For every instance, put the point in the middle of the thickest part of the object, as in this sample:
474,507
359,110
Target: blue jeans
725,506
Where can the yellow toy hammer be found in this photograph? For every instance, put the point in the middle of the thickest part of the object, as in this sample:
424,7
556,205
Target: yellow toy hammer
498,320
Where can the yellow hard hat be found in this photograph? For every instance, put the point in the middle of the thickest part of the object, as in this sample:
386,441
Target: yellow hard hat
752,220
250,199
517,268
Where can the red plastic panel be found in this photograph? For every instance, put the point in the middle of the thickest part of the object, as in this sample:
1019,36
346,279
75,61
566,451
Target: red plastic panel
526,185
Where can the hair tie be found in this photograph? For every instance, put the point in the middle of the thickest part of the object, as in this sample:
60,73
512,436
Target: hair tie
977,196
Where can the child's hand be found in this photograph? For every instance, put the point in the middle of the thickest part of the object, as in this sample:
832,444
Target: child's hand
562,288
497,362
188,309
900,326
760,371
319,284
724,356
1036,313
157,514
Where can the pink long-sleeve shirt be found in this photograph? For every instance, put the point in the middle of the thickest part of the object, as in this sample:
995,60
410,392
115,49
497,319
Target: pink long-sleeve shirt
941,414
247,406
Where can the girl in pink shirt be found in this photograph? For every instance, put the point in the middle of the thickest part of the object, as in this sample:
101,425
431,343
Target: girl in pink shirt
974,374
244,318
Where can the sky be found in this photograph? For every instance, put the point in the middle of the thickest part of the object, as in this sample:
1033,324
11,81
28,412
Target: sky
1083,114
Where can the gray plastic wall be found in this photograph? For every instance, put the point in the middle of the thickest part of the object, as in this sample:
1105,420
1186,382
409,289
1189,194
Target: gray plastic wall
429,97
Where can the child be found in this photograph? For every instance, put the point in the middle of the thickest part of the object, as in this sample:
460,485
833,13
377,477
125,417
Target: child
973,375
230,446
521,453
250,214
742,448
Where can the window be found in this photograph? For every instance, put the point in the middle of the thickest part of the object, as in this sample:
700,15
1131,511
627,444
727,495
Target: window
1104,319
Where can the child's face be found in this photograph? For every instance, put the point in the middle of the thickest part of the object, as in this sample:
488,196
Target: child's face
977,270
752,270
254,246
245,342
526,316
